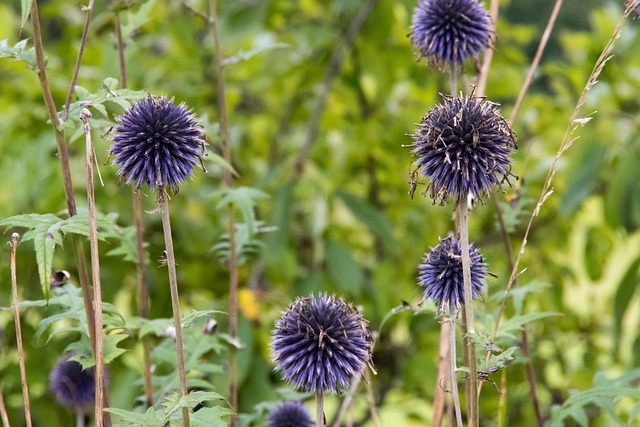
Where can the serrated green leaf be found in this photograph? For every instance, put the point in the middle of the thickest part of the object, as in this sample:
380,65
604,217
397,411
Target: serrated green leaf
19,53
244,199
517,322
111,349
44,245
25,6
133,20
136,419
210,417
156,327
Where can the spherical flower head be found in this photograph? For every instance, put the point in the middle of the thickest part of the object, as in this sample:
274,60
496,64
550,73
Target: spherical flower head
290,414
464,147
71,385
448,32
634,7
158,143
321,344
441,274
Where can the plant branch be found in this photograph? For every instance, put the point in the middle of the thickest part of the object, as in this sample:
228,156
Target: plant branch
163,206
85,117
462,211
63,155
3,410
143,295
481,88
228,180
453,365
566,143
439,401
76,69
332,73
536,60
531,374
319,409
15,238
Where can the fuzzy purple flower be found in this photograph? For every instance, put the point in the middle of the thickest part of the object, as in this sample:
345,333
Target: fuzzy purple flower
463,146
448,32
71,385
441,274
321,344
634,7
158,143
290,414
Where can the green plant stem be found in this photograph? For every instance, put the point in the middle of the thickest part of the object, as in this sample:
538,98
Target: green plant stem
63,155
488,52
536,61
463,231
79,418
15,238
143,295
319,409
566,143
453,82
163,206
76,69
228,180
454,368
85,117
439,400
3,410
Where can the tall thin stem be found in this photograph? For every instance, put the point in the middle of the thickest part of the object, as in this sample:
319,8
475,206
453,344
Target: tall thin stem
15,237
163,206
454,368
3,410
143,295
488,53
319,409
80,418
536,60
439,400
76,68
470,348
228,180
63,155
85,116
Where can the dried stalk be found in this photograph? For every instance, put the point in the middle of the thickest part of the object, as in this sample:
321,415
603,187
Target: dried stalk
15,238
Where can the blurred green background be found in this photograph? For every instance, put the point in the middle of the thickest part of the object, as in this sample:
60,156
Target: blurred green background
347,226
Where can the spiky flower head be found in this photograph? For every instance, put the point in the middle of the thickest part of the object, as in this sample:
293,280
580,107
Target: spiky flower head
290,414
634,7
464,147
448,32
71,385
440,274
158,143
321,344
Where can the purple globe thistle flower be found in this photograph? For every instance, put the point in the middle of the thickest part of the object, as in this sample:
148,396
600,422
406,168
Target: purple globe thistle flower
72,386
441,274
290,414
634,6
321,344
448,32
158,143
463,146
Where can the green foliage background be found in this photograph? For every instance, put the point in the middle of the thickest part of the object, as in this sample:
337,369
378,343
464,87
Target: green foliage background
347,226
